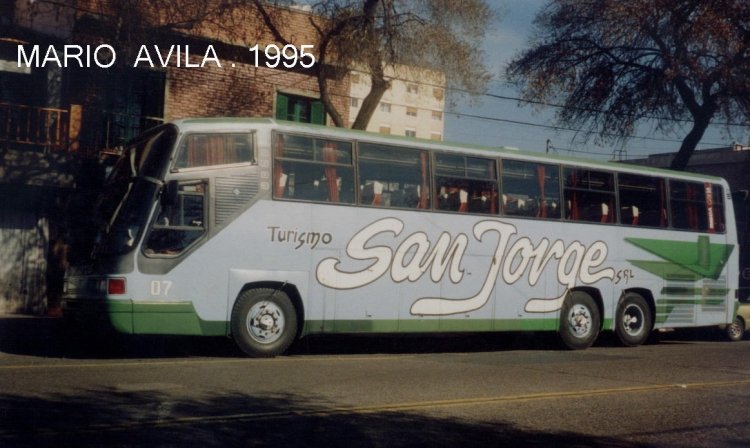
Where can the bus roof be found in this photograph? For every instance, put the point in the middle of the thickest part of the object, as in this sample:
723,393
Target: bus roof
233,123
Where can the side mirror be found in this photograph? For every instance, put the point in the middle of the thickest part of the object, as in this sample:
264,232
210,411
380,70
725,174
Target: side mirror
169,193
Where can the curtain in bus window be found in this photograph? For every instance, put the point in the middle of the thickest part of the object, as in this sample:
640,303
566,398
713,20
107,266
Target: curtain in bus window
575,213
491,193
692,209
329,156
718,208
542,212
662,203
279,178
424,193
215,149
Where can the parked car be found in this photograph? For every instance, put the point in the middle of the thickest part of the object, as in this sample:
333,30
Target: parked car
736,330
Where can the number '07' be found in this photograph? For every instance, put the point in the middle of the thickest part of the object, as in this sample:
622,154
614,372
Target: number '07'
288,55
160,288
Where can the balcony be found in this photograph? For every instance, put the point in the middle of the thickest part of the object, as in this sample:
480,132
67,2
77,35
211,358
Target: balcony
42,129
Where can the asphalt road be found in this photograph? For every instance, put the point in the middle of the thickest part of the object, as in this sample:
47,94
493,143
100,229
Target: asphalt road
689,390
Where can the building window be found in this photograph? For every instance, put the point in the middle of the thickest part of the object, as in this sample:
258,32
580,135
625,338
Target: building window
438,93
355,102
411,111
410,133
437,115
385,130
385,107
436,136
300,109
355,78
412,88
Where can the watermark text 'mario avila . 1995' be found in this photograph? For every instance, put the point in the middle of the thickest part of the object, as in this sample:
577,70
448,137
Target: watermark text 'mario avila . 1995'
105,56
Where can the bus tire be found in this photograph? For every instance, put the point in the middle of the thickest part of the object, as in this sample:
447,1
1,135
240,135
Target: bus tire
736,330
580,321
264,322
633,320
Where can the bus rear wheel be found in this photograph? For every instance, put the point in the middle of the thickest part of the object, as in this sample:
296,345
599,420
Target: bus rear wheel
580,321
264,322
633,320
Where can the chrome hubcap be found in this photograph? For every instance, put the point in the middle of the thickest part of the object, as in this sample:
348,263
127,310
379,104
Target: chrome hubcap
579,320
632,320
265,322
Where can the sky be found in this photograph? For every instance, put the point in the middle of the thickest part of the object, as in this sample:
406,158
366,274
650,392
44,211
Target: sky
502,122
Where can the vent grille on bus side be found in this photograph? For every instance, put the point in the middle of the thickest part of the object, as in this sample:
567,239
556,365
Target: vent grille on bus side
232,193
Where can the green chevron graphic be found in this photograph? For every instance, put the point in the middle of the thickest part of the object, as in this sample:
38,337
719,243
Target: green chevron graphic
682,264
685,261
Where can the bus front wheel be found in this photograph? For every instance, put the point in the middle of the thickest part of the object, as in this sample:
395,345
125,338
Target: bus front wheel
633,320
580,321
264,322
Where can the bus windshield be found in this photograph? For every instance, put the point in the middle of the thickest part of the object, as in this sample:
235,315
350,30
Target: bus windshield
130,190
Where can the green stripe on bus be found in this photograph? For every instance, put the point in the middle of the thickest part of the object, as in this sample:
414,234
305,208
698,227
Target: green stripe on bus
176,318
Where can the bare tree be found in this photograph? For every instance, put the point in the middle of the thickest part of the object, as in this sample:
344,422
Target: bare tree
439,35
612,64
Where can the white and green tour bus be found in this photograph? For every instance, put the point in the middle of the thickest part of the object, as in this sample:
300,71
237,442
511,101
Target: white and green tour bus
269,231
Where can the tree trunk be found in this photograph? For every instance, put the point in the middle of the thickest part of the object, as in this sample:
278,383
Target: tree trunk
680,161
371,101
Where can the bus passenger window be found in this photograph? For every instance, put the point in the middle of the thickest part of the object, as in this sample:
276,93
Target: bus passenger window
179,225
198,150
313,169
642,200
392,176
465,184
697,206
530,189
589,195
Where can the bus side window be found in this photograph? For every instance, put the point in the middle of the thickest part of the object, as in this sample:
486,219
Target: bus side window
179,223
589,195
465,184
313,169
530,189
688,205
642,200
697,206
392,176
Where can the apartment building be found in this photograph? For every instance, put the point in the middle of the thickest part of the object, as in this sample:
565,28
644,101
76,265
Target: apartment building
413,106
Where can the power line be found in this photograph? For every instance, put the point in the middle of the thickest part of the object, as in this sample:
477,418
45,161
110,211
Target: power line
562,128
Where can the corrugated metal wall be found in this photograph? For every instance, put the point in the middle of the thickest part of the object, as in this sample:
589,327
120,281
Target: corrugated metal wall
24,242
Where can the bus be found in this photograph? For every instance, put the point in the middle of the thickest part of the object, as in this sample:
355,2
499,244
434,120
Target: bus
268,231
